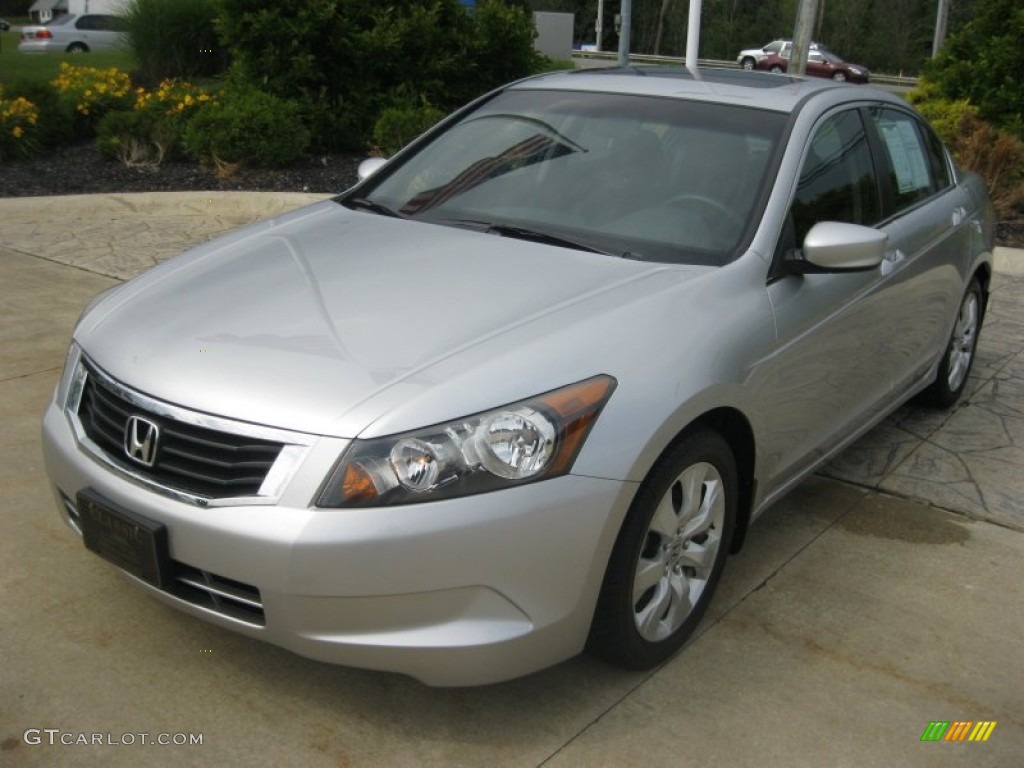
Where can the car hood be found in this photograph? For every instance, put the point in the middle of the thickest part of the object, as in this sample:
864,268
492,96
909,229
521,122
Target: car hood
295,323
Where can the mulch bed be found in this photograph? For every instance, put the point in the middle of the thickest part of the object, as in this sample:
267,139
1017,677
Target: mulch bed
81,169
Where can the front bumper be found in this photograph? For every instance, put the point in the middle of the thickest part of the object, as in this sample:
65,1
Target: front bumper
461,592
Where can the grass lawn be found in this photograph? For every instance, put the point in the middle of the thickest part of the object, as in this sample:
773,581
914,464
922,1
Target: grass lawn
45,66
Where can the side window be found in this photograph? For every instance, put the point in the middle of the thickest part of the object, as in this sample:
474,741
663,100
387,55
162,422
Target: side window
84,22
943,176
837,182
109,23
912,160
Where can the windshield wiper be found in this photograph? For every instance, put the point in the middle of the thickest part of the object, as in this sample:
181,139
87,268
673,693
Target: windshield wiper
534,236
365,204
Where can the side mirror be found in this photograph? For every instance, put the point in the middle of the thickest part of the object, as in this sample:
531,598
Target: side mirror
370,166
833,246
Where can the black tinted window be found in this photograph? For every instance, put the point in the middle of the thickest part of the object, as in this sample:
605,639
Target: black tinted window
837,182
101,22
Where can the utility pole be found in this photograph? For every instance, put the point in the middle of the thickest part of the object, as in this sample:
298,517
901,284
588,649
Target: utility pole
693,35
626,14
941,20
805,16
599,27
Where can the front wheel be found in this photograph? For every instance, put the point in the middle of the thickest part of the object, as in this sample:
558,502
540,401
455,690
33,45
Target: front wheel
747,63
839,77
669,555
956,363
777,69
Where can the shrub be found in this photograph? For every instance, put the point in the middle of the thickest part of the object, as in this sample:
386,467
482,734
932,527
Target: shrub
995,155
151,130
399,125
981,63
173,38
344,61
92,92
56,120
18,118
247,127
136,138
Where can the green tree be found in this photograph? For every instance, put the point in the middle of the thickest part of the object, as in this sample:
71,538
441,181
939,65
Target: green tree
346,61
981,63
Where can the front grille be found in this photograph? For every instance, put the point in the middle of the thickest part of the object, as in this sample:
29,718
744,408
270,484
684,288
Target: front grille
189,458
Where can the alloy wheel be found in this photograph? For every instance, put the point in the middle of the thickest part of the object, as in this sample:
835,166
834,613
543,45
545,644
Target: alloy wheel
679,552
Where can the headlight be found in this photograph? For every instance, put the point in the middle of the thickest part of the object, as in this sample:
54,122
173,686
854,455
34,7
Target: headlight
523,442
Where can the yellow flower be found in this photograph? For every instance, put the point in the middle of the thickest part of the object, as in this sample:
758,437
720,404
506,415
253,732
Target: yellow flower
16,130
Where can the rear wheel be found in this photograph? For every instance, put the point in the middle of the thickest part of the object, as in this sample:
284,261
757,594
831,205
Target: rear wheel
956,363
78,48
839,76
669,555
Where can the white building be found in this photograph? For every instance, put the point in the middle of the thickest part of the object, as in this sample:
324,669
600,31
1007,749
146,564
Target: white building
43,10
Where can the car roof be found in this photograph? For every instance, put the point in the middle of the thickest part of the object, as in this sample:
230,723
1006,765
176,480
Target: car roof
761,90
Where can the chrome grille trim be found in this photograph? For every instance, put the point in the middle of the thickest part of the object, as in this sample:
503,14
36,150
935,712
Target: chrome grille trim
218,594
293,446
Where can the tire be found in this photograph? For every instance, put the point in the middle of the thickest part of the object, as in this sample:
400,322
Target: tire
955,367
839,77
777,69
78,48
669,555
747,63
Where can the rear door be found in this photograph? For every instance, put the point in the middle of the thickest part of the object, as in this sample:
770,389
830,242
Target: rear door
927,220
100,31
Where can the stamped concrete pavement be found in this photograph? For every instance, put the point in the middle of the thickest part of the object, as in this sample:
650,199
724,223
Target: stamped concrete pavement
880,596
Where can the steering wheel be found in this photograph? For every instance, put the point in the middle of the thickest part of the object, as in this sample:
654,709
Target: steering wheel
709,203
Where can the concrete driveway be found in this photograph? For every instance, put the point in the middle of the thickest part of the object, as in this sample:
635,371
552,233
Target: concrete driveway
881,596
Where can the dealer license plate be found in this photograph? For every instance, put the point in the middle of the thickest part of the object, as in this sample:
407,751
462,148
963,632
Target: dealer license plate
130,541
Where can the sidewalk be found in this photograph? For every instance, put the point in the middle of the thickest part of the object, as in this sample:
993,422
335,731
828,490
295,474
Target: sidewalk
875,599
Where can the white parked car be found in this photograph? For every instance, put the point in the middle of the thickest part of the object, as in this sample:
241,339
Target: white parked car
751,57
74,34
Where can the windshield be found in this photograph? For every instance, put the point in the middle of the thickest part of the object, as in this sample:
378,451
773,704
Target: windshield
642,177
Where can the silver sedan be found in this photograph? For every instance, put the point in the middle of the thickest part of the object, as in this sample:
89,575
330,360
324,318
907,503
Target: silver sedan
522,389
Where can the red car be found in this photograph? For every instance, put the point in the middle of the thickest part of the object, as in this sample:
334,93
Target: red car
820,63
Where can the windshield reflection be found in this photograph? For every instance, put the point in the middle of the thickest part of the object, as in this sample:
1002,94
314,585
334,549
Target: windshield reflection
655,178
